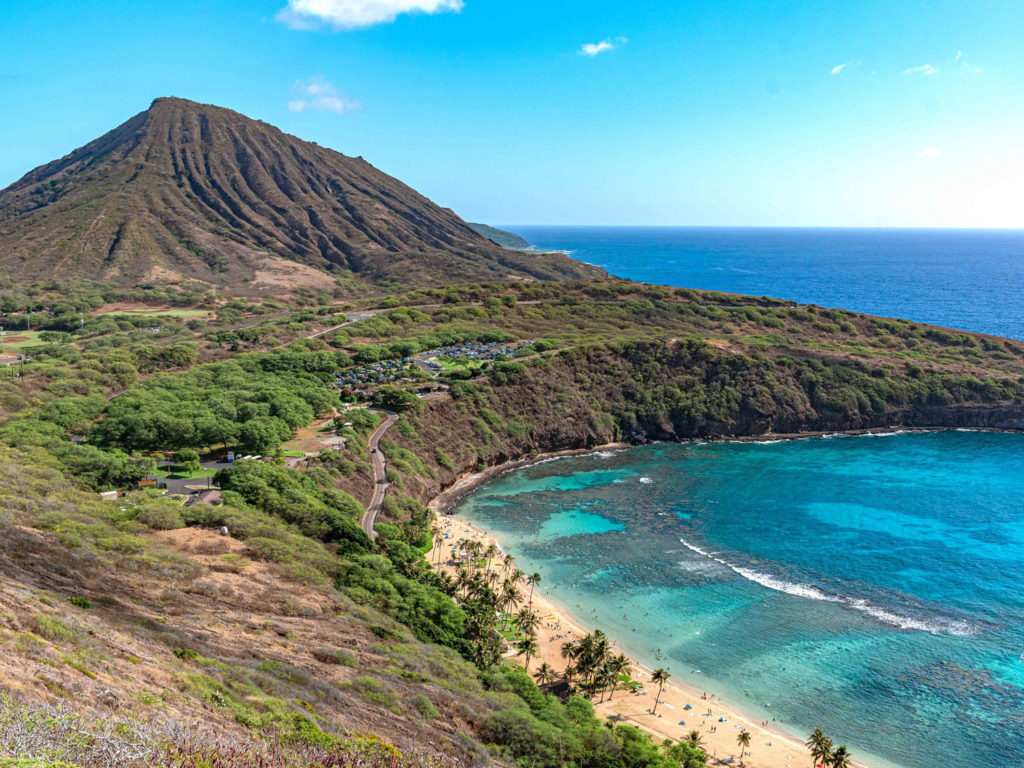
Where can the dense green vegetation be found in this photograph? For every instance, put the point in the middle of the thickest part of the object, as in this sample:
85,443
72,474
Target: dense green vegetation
606,360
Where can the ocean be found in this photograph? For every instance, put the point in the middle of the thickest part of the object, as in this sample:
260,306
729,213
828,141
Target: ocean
870,586
966,279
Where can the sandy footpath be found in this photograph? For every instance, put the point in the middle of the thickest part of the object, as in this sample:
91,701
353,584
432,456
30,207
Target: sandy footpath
717,723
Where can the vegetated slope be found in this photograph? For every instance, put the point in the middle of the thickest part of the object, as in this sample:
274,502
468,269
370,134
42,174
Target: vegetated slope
502,237
187,191
297,620
658,364
103,611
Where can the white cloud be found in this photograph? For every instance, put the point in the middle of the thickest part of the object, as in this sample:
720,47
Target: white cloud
353,14
316,94
931,152
924,69
592,49
966,67
845,65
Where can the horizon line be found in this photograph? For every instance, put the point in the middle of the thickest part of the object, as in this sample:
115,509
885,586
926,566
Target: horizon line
903,228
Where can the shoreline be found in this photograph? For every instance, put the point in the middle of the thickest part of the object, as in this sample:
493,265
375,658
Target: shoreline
467,482
771,746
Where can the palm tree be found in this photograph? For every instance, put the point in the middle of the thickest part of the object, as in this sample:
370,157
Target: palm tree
527,621
743,739
533,580
659,676
586,662
438,540
528,647
545,675
569,650
475,549
841,758
619,666
506,599
695,739
820,746
603,679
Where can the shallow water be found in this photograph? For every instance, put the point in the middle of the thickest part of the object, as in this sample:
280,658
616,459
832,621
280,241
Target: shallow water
870,586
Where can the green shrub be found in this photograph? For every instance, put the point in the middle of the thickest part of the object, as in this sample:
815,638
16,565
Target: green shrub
335,656
425,707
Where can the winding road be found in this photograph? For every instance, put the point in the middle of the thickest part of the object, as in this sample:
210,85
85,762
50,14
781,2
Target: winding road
380,481
355,317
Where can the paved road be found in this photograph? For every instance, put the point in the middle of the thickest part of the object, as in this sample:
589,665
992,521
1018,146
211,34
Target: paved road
355,317
380,483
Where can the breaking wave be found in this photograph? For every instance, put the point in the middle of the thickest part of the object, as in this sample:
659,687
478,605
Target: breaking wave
810,592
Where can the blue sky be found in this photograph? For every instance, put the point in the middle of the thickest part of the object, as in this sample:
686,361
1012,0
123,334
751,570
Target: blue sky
858,113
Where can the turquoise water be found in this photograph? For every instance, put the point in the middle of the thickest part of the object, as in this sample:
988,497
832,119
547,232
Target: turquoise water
870,586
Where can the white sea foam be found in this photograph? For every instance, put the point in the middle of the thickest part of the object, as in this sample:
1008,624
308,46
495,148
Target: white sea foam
810,592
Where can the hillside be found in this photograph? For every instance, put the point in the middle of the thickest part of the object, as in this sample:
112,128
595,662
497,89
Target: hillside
190,192
295,628
502,237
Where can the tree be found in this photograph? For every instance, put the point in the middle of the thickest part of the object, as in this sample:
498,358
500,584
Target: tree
841,758
743,739
527,621
618,666
490,552
507,599
659,676
395,399
188,459
263,434
438,541
53,338
533,580
528,647
545,675
820,747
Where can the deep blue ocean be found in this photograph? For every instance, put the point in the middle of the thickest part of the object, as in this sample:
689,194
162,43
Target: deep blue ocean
871,586
966,279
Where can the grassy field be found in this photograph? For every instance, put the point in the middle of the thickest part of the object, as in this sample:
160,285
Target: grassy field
14,341
152,311
177,472
453,364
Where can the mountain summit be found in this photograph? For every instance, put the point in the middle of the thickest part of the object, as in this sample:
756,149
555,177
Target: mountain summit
187,191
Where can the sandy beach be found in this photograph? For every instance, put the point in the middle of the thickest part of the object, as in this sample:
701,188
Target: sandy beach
717,723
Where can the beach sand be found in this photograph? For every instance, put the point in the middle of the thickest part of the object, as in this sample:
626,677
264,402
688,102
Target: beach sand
770,747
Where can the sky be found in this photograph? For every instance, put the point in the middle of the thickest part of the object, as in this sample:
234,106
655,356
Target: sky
652,112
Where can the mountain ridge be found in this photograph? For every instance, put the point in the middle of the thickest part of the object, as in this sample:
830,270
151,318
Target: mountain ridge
502,237
191,192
